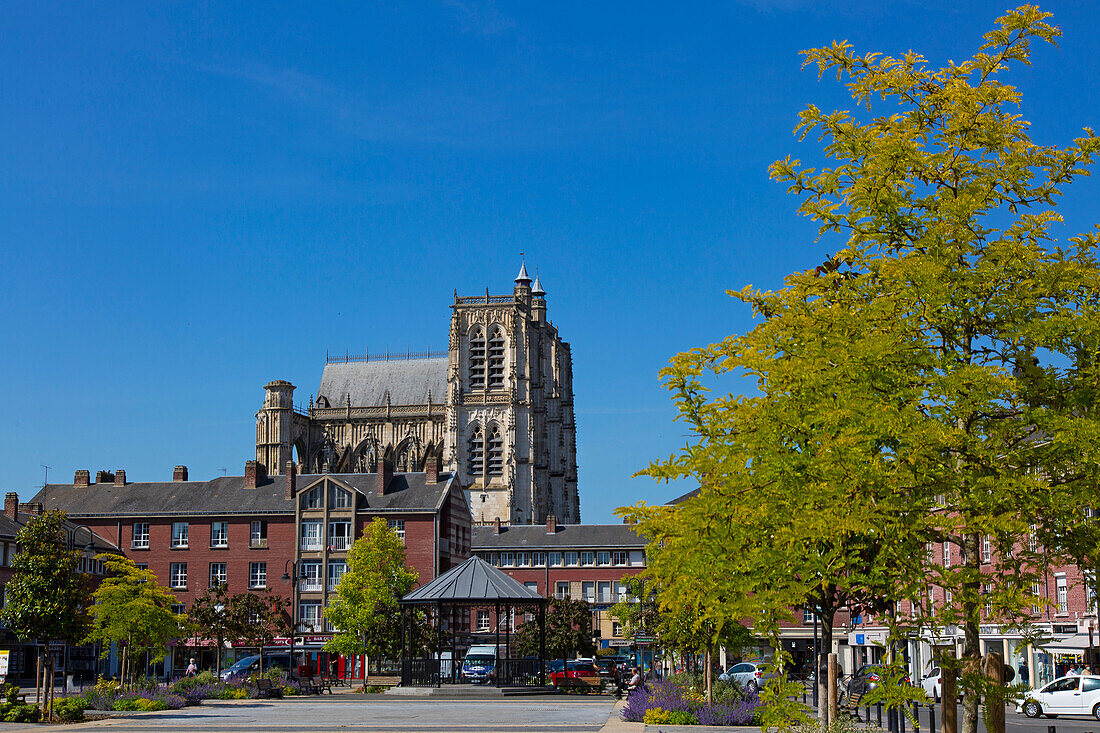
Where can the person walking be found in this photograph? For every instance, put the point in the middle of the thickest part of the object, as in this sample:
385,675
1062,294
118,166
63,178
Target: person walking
192,668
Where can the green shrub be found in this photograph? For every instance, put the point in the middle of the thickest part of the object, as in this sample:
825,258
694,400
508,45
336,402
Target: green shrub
146,705
11,693
22,714
657,716
681,717
70,709
124,706
233,693
289,690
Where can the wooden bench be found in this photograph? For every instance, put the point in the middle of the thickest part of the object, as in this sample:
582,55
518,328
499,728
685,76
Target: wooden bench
851,706
268,689
315,685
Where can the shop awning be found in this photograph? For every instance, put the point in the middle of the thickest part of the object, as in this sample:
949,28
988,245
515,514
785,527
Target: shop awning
1077,641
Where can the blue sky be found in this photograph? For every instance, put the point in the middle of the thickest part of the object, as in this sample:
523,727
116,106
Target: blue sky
197,198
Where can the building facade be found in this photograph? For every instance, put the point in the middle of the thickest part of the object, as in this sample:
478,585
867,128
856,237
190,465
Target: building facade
288,534
580,561
496,408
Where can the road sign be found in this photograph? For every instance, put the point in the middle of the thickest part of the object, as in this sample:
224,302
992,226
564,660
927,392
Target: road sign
644,639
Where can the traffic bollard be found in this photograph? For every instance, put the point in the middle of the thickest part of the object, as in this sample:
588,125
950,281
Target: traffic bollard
878,713
931,719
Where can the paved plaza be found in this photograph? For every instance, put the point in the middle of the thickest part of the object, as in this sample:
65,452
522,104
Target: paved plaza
374,713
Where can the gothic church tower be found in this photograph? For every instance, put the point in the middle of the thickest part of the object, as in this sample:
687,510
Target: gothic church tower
510,428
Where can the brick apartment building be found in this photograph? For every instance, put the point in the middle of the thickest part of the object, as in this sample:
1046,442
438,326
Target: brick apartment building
580,561
250,531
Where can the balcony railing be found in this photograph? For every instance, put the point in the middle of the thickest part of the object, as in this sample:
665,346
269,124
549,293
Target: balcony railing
310,545
258,543
340,544
311,586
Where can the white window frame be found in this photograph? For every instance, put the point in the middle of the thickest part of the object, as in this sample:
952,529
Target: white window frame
340,535
507,559
588,591
310,617
483,621
336,570
603,557
257,574
180,533
219,573
257,533
561,589
177,575
219,534
946,553
571,558
555,559
398,527
341,498
987,549
312,535
603,591
139,537
1061,586
311,576
620,558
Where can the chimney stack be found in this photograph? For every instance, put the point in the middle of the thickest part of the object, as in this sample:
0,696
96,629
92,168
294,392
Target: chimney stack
30,508
102,477
385,475
496,524
82,479
11,504
120,477
179,473
551,524
252,474
291,480
431,469
628,520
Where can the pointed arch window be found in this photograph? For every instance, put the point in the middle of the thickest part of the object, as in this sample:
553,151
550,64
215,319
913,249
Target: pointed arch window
496,359
475,453
496,452
477,359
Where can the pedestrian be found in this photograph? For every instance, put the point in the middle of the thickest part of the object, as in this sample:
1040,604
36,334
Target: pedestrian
192,668
1023,673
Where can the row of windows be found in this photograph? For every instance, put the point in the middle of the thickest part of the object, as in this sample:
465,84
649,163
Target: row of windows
311,579
337,498
181,535
219,573
486,359
567,558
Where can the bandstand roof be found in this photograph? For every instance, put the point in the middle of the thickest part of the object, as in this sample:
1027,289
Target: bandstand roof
473,581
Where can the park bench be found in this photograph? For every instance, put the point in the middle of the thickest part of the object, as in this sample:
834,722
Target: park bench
315,685
267,688
850,705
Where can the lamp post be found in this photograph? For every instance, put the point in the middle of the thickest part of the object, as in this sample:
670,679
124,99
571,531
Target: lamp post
290,575
89,549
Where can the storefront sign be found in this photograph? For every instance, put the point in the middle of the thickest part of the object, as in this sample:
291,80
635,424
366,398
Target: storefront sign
619,642
4,655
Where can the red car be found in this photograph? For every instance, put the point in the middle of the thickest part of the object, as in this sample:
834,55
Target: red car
578,674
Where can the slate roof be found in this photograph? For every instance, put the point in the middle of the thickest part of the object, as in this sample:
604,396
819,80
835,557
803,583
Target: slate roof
684,497
408,382
407,492
10,527
520,536
473,580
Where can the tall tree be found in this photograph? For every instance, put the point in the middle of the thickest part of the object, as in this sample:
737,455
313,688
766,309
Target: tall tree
216,617
46,598
365,608
933,382
135,612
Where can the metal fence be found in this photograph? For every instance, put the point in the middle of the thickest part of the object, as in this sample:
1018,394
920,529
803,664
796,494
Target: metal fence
420,673
519,673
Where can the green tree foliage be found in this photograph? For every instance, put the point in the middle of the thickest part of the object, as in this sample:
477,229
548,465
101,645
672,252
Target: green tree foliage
365,607
934,381
214,617
568,631
132,610
46,598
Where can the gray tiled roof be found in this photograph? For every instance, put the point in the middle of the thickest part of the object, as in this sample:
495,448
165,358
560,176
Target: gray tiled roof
80,534
568,535
407,492
408,382
684,497
473,580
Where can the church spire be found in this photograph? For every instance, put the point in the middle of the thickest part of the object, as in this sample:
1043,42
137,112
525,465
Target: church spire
523,278
536,289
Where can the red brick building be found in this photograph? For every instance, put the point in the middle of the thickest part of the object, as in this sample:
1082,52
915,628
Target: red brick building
585,561
249,531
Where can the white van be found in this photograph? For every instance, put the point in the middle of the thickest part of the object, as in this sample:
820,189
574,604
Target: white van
480,663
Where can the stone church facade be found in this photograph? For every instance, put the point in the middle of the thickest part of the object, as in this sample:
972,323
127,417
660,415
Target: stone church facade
497,407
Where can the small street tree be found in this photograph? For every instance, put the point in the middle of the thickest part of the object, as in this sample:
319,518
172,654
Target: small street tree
135,612
568,631
365,608
261,617
215,617
46,598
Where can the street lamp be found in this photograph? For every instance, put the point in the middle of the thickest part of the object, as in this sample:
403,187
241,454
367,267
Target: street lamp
290,575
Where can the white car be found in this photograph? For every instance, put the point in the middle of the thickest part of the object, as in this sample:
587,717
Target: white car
747,675
1064,696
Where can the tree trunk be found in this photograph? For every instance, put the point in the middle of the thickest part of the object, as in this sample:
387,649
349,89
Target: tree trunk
826,647
38,680
971,662
122,665
707,675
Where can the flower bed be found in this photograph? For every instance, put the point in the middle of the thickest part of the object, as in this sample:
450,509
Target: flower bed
672,703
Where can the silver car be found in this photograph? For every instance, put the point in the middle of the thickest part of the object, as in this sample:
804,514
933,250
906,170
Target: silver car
747,675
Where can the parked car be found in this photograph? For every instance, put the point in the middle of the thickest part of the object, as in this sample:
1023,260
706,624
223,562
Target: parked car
609,668
1064,696
579,674
747,675
867,678
251,665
